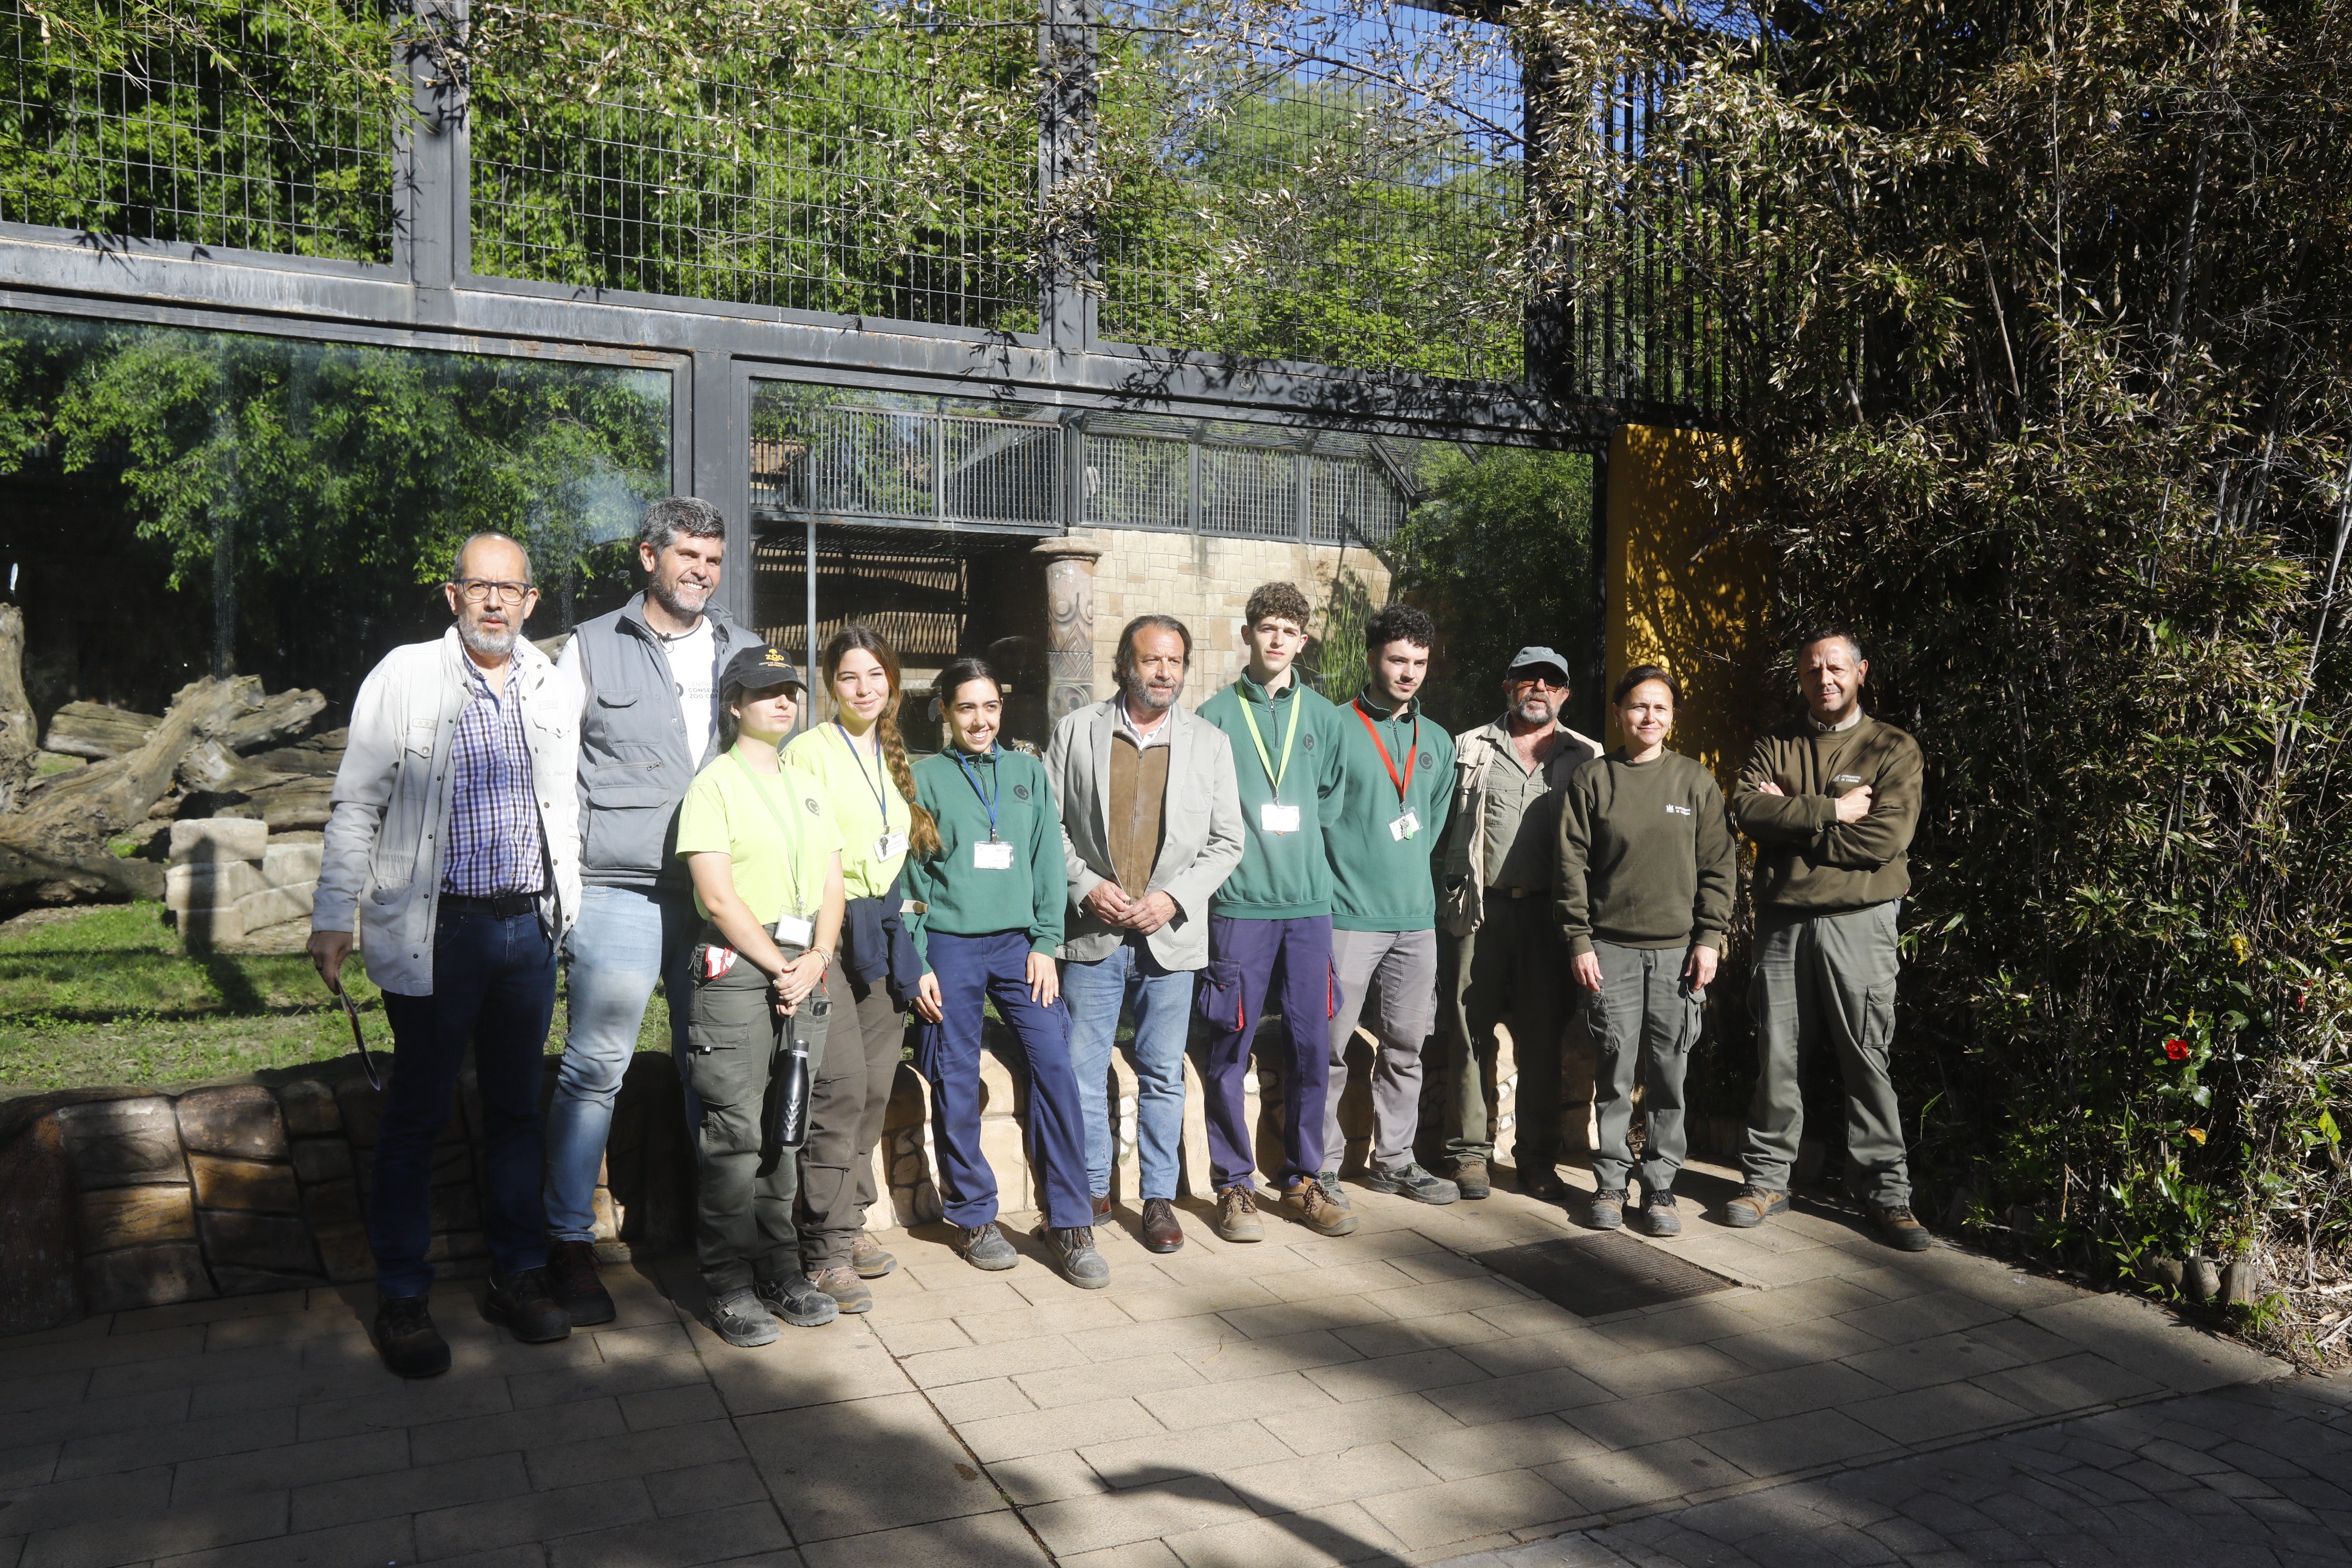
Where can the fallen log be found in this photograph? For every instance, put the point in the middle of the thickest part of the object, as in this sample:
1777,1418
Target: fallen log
94,730
19,736
278,720
30,876
78,812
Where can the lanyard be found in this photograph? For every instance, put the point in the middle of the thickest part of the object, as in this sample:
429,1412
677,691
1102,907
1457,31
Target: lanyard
881,801
782,826
1272,774
1412,754
987,799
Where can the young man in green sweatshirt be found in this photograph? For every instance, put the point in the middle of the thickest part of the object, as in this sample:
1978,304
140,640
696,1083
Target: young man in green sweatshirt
1381,829
1831,801
1273,916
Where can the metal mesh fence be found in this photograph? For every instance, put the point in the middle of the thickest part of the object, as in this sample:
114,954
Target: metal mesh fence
1348,191
247,126
1139,481
928,470
793,173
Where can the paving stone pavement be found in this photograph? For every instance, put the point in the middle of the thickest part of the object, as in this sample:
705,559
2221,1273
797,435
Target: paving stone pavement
1379,1398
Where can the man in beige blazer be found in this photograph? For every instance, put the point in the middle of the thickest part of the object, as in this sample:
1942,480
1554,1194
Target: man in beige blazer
1152,826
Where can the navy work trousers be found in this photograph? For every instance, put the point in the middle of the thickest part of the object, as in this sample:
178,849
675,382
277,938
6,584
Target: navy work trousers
1245,957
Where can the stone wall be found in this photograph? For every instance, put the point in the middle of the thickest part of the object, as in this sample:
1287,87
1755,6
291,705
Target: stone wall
1204,581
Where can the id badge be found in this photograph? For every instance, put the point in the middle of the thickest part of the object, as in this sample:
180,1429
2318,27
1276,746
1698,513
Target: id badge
991,857
1277,818
1404,827
796,931
889,844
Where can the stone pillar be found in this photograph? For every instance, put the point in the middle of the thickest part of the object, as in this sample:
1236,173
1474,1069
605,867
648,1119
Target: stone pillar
1070,624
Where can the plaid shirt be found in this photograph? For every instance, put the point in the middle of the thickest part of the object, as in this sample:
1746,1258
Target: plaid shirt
494,844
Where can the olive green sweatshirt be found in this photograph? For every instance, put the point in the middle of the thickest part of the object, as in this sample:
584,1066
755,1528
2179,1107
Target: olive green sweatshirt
1646,855
963,900
1808,862
1283,876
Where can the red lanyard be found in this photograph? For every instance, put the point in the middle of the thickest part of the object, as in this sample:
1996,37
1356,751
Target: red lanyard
1410,756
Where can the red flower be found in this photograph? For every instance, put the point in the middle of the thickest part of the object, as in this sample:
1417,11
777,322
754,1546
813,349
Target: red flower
2175,1050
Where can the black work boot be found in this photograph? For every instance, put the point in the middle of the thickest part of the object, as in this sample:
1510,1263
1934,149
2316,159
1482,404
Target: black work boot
407,1340
571,1280
522,1304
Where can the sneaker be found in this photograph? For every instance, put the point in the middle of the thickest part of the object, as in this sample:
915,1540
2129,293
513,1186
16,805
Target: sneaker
1309,1203
842,1283
1413,1183
571,1280
404,1336
1470,1177
1658,1215
866,1257
1608,1211
522,1303
1752,1205
984,1246
742,1319
1237,1214
1075,1255
1898,1227
1333,1193
797,1299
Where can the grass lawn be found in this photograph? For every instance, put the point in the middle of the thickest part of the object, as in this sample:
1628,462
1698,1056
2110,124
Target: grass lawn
106,995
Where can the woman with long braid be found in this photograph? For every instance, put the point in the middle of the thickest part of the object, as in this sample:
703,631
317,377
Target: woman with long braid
857,763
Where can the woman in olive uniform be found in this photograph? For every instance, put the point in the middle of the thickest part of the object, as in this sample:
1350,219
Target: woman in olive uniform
991,897
766,864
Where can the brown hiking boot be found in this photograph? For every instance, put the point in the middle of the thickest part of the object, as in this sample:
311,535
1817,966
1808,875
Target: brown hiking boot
1898,1227
866,1257
1311,1206
1237,1214
841,1282
1751,1206
1608,1211
1470,1175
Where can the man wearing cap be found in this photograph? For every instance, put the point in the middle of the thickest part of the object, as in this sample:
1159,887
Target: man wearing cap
1505,963
649,721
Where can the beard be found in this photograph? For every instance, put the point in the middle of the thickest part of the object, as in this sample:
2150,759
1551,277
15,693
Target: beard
488,643
1156,700
672,596
1536,710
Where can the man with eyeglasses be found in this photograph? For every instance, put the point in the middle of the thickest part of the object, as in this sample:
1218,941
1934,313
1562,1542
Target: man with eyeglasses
1505,960
649,721
454,840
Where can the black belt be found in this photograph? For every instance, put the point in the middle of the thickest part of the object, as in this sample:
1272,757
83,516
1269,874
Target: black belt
500,906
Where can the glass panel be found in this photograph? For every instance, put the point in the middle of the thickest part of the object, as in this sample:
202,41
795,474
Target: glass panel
176,497
202,123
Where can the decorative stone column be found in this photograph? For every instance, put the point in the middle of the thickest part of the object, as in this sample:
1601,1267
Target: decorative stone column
1069,623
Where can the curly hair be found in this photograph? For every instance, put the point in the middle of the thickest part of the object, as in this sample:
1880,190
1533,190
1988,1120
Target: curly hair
1398,623
1279,599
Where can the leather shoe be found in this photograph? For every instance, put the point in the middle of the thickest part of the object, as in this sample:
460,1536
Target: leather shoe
1102,1210
1542,1183
1160,1231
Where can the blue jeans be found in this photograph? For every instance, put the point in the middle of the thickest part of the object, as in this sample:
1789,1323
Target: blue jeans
626,938
1162,1003
493,989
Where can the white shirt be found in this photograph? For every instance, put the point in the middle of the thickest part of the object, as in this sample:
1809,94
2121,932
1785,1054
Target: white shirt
1143,743
690,658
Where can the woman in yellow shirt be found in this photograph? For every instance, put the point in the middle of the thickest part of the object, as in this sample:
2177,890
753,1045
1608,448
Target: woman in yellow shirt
766,864
857,763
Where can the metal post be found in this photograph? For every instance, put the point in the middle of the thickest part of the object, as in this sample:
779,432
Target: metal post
1596,661
808,709
1065,49
432,229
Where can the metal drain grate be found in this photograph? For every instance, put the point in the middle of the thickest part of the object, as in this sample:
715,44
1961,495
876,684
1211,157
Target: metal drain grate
1594,1275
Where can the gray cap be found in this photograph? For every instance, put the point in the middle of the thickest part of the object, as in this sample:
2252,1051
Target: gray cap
1533,656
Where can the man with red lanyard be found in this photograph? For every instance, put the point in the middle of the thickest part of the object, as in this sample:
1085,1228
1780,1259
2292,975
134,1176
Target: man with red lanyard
1382,829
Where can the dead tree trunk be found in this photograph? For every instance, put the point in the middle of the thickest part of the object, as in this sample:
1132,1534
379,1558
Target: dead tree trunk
19,736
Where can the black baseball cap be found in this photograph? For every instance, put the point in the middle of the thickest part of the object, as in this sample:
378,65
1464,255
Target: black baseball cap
757,667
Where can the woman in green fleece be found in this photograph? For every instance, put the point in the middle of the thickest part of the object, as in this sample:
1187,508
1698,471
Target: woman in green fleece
989,887
1646,868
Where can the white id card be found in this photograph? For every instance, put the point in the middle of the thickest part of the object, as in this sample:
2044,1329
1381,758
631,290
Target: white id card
991,857
889,844
795,931
1404,827
1276,817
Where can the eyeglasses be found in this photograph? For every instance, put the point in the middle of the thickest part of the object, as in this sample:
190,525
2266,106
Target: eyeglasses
1539,678
473,590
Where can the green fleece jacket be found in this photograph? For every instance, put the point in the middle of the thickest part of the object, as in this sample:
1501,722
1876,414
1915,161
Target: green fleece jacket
1646,856
1283,876
965,901
1379,881
1807,861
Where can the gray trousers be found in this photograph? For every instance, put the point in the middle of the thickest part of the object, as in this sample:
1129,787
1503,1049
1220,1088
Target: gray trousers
1827,978
1396,972
743,1204
1512,970
846,1103
1644,1017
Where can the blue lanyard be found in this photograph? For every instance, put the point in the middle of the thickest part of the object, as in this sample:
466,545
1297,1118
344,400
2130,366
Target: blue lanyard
881,803
971,775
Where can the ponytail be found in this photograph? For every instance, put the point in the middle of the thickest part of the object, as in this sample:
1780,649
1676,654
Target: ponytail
922,831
